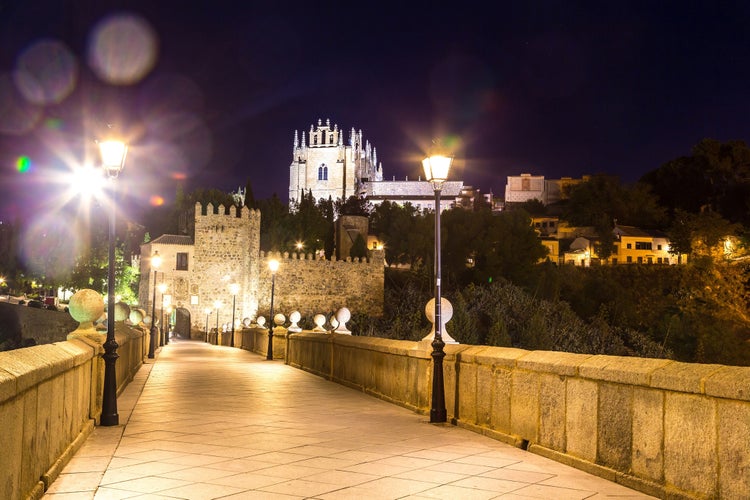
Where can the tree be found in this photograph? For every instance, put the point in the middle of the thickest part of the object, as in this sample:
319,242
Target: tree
354,205
715,175
359,248
249,196
274,225
308,223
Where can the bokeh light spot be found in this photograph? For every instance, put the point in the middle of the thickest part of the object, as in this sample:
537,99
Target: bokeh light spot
53,123
122,49
46,72
156,201
23,164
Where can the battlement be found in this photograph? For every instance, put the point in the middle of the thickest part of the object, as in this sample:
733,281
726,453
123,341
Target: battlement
377,257
209,210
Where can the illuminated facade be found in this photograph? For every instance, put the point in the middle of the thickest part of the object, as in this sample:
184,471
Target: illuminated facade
327,167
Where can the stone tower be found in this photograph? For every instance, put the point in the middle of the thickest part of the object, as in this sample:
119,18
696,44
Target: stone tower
322,164
227,249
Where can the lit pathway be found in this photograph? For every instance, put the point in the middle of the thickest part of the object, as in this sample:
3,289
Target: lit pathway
215,422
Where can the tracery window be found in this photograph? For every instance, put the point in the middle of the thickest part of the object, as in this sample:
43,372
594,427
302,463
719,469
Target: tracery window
323,172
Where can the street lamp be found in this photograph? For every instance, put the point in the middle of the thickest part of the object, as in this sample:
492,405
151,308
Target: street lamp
162,288
155,264
234,289
208,312
113,161
217,306
436,169
273,265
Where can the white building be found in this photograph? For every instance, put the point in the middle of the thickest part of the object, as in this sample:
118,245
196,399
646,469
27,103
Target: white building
323,165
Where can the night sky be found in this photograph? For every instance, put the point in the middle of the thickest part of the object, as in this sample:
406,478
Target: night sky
209,93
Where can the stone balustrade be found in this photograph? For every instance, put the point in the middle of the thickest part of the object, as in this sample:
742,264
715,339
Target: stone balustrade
50,399
669,429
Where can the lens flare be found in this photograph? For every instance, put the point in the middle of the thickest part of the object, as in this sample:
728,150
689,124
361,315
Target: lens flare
122,49
17,115
46,72
156,201
23,164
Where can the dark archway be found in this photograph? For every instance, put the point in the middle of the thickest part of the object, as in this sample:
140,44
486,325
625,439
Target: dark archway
182,323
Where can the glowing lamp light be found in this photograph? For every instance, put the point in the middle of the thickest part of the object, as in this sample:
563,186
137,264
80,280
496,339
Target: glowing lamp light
234,288
162,288
156,260
273,265
436,168
113,156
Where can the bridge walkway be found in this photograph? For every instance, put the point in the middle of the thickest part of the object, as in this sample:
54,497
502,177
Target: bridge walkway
203,421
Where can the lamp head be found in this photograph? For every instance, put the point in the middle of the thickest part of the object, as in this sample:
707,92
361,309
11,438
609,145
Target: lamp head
113,157
156,260
273,265
162,287
436,168
234,288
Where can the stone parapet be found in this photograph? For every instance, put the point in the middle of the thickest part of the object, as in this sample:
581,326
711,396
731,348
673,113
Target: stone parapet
669,429
50,399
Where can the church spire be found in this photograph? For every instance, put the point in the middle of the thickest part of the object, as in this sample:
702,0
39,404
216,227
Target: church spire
296,140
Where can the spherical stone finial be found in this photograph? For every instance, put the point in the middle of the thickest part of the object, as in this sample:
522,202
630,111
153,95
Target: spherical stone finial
279,319
342,316
122,311
294,318
86,306
261,321
319,321
147,320
446,313
136,316
246,322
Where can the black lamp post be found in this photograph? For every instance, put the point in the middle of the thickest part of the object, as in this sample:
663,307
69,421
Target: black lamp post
155,263
113,159
217,305
234,289
273,265
208,311
162,289
436,169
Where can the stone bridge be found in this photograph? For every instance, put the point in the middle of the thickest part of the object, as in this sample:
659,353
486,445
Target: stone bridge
666,429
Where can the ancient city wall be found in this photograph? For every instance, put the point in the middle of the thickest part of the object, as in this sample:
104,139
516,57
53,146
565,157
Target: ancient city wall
312,286
669,429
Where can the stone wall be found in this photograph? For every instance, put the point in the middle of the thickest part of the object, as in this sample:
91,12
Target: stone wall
669,429
50,399
42,325
312,286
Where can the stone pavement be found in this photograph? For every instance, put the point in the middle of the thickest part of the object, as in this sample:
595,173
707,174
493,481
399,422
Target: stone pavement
204,421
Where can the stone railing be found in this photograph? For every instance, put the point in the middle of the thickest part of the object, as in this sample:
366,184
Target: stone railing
669,429
50,400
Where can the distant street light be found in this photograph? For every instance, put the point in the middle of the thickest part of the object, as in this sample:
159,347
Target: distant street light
273,265
155,264
113,155
208,312
436,169
234,289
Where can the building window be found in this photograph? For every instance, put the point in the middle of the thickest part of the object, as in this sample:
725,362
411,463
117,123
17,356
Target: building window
643,245
323,172
630,259
182,261
658,247
630,245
